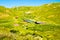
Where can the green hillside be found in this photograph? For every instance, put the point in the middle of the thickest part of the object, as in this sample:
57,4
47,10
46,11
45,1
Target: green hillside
30,22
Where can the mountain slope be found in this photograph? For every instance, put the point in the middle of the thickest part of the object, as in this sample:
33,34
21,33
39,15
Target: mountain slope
19,23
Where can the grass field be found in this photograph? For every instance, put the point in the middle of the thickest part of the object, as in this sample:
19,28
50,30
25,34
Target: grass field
19,23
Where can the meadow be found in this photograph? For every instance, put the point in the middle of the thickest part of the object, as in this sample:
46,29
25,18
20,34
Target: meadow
30,22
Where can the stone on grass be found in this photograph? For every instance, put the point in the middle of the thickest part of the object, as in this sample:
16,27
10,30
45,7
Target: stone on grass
38,38
16,24
28,12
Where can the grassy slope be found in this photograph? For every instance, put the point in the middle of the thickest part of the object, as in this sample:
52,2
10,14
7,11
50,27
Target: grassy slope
48,13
